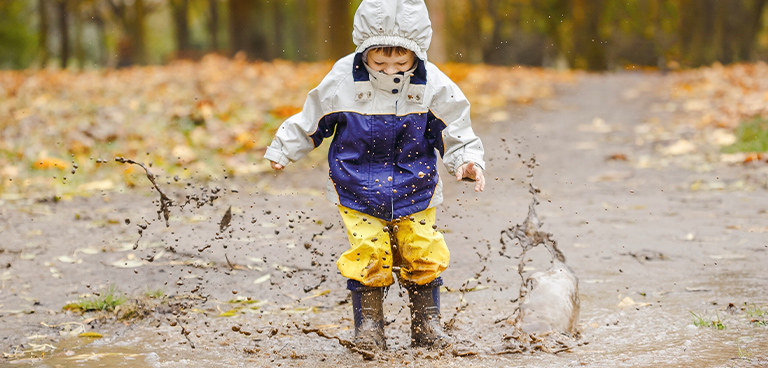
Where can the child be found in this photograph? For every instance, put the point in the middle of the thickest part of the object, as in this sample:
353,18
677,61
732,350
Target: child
390,112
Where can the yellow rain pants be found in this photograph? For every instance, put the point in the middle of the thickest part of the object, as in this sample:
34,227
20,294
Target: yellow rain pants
419,250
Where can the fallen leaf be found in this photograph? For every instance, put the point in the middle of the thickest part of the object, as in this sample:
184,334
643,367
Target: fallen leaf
97,185
680,147
697,289
728,256
229,313
68,259
262,279
50,163
91,334
128,263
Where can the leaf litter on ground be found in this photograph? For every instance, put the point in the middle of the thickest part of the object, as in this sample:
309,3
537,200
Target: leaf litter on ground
206,119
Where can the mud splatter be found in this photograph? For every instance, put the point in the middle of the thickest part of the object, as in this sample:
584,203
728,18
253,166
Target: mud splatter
165,202
225,220
366,354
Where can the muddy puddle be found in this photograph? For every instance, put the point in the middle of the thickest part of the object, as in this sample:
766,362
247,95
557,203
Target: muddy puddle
248,278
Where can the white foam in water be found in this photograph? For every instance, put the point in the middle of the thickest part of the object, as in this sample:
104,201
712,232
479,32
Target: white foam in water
552,301
549,300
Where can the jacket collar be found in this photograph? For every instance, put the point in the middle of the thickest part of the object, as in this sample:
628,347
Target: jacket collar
366,80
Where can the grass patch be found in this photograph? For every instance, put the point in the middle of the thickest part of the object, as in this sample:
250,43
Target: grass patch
757,315
106,300
743,353
755,311
155,293
751,136
706,321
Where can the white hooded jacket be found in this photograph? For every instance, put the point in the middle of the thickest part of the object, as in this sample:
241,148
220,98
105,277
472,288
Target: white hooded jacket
386,130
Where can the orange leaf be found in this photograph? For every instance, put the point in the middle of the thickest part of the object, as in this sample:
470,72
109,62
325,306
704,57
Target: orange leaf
49,162
753,156
245,140
284,112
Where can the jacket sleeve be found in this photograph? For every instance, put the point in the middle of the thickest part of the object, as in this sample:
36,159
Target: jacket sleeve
459,143
294,138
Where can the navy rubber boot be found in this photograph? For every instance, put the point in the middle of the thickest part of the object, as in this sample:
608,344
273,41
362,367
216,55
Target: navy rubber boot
426,330
368,309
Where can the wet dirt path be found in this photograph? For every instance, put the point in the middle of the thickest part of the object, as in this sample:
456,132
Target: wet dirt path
647,249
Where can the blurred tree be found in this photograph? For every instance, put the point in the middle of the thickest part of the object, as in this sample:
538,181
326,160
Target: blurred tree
63,32
130,15
586,34
272,32
304,26
42,14
334,29
213,24
636,33
77,12
725,31
464,26
513,38
588,46
239,19
437,16
17,40
736,26
554,19
180,13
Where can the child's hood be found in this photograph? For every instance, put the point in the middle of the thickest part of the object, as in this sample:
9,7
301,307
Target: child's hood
402,23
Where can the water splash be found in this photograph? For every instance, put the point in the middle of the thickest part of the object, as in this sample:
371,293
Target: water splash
548,311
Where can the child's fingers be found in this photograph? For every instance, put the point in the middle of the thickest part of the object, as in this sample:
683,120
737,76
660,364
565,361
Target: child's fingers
465,171
480,178
460,172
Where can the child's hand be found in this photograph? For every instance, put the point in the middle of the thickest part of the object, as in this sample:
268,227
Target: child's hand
275,165
472,172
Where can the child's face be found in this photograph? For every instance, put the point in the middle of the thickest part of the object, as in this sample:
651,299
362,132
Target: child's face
390,64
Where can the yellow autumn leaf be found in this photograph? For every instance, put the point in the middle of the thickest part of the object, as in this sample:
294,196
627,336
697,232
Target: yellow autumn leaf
91,334
229,313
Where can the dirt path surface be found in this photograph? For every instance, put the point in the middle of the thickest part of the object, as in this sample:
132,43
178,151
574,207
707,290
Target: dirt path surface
653,240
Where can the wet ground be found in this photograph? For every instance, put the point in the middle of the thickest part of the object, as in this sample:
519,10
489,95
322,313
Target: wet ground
658,243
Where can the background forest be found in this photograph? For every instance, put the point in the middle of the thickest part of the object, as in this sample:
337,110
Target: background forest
580,34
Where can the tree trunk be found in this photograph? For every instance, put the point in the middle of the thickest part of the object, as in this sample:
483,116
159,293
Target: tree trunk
306,48
213,24
78,29
64,32
437,16
103,55
139,33
180,11
475,37
273,32
752,23
335,29
239,20
697,34
504,18
42,12
555,13
589,50
341,29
